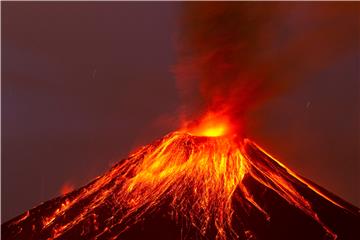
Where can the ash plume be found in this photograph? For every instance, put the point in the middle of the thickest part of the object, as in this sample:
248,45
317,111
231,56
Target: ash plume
235,55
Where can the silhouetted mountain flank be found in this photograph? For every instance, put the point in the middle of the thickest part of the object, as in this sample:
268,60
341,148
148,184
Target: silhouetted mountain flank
190,187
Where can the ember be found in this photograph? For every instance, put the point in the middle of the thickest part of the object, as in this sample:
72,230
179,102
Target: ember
200,178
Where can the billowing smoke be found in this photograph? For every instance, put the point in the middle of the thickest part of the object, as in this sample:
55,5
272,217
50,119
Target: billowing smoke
235,55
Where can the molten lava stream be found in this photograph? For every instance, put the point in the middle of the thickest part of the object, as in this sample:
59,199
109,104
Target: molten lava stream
199,174
196,174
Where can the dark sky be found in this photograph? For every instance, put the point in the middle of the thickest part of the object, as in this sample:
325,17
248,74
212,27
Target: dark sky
85,83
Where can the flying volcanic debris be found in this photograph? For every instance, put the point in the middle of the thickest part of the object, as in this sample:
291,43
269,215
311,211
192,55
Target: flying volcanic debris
192,186
205,180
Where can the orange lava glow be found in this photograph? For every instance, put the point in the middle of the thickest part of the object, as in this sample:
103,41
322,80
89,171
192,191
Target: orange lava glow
217,130
212,125
198,175
66,188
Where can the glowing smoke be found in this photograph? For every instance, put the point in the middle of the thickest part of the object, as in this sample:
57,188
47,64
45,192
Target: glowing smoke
235,55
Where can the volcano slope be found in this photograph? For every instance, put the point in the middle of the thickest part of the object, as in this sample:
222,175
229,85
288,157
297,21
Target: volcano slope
193,187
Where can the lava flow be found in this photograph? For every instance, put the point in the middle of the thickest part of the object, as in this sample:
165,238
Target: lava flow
207,182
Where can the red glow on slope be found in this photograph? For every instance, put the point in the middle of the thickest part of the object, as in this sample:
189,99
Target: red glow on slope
199,175
66,188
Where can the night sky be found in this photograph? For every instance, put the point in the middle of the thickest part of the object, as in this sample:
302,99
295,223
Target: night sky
85,83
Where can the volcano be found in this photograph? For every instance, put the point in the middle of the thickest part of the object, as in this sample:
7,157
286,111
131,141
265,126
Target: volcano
186,186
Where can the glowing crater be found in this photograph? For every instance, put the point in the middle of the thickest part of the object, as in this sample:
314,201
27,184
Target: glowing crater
211,125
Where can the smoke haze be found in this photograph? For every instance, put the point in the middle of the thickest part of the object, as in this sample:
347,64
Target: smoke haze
235,55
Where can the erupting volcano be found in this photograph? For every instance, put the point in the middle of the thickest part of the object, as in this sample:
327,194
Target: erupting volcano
206,180
197,183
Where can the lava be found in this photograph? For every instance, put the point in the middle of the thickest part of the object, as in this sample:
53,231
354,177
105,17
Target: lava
216,131
211,125
200,176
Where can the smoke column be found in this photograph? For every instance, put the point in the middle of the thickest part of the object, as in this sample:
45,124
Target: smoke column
235,55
